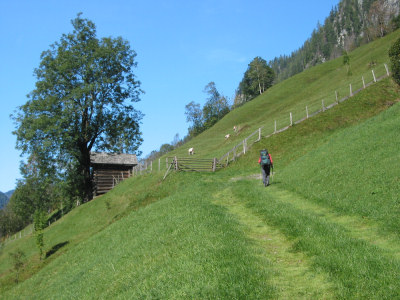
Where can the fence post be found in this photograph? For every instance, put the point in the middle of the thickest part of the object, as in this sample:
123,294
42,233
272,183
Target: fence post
244,146
373,74
259,133
307,111
337,101
214,164
176,164
387,70
323,105
291,119
275,127
351,91
363,81
151,166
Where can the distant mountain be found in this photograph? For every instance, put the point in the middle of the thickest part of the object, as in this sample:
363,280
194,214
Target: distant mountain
3,200
9,193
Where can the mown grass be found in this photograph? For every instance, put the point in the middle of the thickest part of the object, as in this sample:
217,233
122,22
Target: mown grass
343,213
183,246
355,172
292,274
227,237
358,269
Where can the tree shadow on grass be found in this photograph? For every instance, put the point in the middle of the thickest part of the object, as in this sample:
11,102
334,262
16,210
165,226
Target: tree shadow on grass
56,248
57,215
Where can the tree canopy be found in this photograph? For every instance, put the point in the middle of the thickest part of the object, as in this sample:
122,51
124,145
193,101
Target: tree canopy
82,101
215,108
256,80
394,55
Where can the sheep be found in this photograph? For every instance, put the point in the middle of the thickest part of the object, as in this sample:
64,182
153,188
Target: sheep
227,136
234,128
191,151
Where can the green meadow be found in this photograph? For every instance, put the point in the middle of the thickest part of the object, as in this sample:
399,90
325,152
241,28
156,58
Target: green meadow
326,228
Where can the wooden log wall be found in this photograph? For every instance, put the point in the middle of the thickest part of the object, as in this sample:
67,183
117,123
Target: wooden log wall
106,178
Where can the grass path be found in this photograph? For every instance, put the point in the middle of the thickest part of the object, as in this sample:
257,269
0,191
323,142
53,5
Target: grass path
292,275
358,228
305,264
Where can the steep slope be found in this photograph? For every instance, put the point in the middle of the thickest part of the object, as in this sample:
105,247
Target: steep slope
350,24
334,204
293,95
365,158
223,235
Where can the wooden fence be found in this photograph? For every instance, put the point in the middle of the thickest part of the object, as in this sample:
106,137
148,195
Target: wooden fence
188,164
28,231
278,125
240,148
196,164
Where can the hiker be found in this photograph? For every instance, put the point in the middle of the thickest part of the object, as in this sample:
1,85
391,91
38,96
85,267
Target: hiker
266,164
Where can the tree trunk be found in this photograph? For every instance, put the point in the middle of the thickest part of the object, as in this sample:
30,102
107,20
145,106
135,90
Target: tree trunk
84,169
87,178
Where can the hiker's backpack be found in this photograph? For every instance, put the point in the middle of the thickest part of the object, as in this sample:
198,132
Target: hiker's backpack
265,160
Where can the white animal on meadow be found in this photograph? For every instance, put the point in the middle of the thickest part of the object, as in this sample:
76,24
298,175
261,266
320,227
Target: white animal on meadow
234,128
191,151
227,136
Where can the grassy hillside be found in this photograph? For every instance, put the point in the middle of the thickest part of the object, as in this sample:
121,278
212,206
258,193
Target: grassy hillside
293,95
326,228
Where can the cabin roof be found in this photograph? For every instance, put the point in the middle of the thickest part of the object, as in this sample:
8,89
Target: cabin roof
103,158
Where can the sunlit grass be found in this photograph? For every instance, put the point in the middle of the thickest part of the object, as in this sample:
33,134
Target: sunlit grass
326,228
181,247
356,268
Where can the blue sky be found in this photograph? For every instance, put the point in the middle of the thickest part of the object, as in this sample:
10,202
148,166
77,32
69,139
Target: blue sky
181,46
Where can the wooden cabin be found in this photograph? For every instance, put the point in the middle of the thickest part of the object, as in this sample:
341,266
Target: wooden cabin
109,169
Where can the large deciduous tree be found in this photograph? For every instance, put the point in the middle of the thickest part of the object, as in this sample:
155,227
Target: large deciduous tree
82,101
